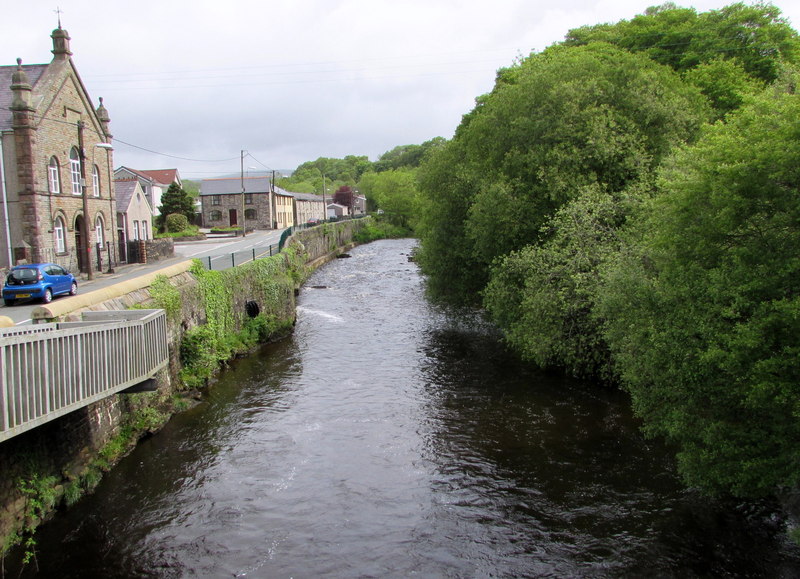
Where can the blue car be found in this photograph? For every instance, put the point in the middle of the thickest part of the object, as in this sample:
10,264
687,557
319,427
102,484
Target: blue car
41,281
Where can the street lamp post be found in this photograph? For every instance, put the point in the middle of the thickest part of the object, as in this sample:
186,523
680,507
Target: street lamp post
109,147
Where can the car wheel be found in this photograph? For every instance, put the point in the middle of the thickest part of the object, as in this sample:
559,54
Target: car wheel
9,302
48,296
74,289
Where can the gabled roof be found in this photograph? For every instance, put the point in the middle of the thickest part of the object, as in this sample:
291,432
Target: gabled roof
154,176
305,196
34,72
163,176
233,186
125,190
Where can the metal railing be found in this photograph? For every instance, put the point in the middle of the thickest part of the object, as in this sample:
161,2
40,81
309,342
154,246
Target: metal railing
48,370
226,260
232,259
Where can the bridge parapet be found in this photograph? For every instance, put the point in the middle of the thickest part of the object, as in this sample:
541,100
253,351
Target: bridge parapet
48,370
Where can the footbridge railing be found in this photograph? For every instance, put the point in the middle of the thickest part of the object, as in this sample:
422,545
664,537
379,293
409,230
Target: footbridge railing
48,370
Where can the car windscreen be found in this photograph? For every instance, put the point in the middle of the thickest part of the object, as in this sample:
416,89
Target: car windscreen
23,276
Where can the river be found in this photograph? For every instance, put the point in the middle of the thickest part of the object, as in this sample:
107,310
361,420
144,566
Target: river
390,438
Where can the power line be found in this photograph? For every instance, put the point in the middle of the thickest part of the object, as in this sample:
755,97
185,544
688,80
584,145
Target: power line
116,140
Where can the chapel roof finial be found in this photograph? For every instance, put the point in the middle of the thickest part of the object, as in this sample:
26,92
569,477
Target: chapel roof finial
58,11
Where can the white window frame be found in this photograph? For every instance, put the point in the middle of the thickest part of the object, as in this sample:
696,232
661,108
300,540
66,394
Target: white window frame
53,176
75,171
135,230
58,235
96,181
144,231
98,231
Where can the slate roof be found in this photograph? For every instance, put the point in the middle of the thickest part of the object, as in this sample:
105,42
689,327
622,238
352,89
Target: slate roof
233,186
34,72
124,190
305,196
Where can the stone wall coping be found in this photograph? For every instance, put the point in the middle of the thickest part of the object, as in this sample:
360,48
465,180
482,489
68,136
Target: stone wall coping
62,307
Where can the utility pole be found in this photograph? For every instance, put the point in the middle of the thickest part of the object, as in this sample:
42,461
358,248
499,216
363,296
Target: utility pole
87,246
244,229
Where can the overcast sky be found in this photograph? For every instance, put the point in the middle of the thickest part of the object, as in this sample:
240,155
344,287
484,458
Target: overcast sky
292,80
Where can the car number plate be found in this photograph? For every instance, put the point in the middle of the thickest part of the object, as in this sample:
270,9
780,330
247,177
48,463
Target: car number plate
23,295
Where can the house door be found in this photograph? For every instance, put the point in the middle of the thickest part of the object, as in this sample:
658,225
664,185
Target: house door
233,217
79,244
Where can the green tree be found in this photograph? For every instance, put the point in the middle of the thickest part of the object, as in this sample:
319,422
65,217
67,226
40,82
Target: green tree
543,296
395,193
702,309
175,200
555,124
756,37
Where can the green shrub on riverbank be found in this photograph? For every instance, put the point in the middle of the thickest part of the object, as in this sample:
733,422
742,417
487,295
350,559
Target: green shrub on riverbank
228,330
381,229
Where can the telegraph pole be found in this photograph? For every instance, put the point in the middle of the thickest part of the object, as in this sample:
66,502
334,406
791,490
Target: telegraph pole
87,246
244,229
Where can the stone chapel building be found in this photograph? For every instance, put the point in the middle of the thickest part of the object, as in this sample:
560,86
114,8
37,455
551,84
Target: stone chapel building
55,167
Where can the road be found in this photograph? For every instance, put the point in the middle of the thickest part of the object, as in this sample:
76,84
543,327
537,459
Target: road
220,250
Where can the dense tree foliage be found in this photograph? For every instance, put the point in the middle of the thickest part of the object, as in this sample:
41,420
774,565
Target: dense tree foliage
703,310
395,193
560,122
755,37
310,176
175,201
406,156
576,202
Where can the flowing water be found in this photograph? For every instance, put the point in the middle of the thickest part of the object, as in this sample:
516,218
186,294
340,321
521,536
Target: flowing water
387,438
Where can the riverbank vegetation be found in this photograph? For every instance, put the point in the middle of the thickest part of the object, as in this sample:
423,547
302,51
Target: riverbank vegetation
624,205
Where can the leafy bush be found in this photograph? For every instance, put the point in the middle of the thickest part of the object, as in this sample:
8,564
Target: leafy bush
177,222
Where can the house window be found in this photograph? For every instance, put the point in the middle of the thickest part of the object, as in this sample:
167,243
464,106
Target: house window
58,235
135,231
215,216
53,176
75,171
250,214
248,199
216,200
98,229
96,181
144,230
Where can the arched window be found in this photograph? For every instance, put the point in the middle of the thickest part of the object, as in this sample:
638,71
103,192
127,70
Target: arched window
215,216
98,229
75,171
250,214
53,178
96,181
58,235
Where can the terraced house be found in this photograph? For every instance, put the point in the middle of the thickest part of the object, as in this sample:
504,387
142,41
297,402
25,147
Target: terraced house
256,203
55,166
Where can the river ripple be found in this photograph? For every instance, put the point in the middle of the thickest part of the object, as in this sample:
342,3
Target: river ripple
387,438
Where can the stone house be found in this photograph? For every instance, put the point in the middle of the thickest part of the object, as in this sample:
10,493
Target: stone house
264,205
223,204
55,166
308,206
154,182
